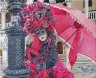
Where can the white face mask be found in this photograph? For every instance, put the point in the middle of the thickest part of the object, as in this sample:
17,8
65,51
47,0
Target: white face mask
42,34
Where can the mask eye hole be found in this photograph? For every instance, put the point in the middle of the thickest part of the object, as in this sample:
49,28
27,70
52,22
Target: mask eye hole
42,31
25,14
37,33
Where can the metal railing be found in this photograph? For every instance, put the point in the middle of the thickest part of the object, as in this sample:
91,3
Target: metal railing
92,16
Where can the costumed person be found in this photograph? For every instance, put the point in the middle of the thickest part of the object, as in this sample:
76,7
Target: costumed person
64,3
42,56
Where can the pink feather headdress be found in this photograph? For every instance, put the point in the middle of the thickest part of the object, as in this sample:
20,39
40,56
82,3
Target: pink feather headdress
35,16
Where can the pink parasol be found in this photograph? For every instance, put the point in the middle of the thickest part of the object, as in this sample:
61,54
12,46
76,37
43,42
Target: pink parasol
78,30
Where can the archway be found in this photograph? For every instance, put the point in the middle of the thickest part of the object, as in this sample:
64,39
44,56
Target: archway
60,47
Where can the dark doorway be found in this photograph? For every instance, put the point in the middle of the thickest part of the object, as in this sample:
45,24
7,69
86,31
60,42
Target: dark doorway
89,2
60,47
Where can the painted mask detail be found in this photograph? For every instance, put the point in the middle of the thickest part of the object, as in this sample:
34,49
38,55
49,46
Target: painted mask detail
42,34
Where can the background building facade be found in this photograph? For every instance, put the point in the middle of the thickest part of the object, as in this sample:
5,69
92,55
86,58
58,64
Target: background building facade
80,5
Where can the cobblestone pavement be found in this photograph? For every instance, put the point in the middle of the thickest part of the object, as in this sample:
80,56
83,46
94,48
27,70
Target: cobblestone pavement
77,72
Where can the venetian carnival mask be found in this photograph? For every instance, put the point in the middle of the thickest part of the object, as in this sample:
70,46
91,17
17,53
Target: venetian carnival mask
42,34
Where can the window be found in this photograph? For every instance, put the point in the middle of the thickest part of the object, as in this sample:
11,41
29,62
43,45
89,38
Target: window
57,1
8,17
89,1
60,47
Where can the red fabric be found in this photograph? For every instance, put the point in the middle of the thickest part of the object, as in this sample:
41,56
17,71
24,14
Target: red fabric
34,48
59,71
32,66
75,49
36,44
30,14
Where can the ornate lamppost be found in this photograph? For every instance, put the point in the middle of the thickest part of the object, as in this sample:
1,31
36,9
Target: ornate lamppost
16,43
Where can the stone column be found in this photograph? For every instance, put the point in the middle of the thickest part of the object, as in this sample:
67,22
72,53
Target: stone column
67,56
3,45
3,19
16,43
86,7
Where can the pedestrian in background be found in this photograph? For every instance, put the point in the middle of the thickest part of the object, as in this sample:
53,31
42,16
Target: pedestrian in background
64,3
0,55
